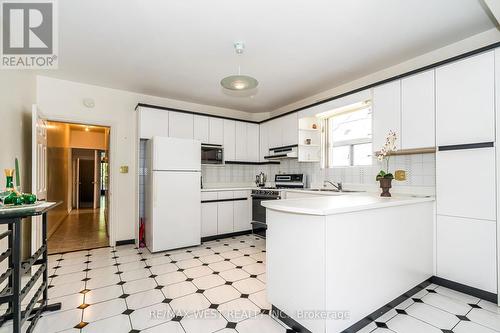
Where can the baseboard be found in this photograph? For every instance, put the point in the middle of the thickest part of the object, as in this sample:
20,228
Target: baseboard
386,308
231,234
486,295
125,242
290,322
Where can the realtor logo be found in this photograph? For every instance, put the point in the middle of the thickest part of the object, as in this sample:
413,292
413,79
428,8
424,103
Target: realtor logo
28,35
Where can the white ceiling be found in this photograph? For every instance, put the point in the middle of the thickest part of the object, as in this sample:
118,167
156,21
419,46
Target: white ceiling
181,49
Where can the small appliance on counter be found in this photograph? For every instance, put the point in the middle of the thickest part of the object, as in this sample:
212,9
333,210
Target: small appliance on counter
282,181
260,179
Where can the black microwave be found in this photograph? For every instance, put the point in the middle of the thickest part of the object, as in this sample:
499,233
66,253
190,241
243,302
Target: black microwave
212,154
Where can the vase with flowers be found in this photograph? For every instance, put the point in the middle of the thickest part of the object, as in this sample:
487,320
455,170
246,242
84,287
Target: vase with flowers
385,177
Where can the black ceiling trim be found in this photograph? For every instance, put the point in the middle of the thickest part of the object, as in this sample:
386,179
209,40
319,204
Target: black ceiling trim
193,112
369,86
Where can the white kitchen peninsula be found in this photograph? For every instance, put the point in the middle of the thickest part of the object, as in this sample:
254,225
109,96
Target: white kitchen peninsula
351,254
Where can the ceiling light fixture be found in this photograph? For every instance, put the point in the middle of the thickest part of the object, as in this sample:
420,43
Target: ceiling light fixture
239,82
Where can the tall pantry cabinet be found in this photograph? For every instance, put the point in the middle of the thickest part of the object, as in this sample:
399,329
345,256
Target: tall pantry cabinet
466,168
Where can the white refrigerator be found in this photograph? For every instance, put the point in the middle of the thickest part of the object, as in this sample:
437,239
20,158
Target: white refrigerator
173,195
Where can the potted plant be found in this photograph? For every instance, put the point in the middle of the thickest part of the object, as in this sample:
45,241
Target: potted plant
384,176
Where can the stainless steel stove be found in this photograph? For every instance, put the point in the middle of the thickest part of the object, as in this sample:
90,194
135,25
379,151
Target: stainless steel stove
282,181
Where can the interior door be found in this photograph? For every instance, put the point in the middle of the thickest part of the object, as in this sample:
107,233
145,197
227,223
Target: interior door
38,170
86,183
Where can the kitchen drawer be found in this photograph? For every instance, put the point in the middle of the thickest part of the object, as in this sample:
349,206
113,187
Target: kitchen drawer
465,183
208,196
466,252
222,195
241,194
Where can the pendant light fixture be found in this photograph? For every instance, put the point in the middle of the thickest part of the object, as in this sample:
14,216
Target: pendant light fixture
239,82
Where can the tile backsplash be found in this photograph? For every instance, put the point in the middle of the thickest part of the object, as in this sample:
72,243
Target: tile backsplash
420,172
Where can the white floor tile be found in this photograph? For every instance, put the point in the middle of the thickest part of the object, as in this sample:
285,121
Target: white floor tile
196,272
103,294
189,304
446,303
201,252
68,302
222,294
231,254
132,266
238,309
67,278
208,281
242,261
181,256
104,271
208,321
158,261
129,258
71,269
249,286
170,278
188,263
255,269
66,289
58,321
489,306
116,324
145,298
163,269
103,310
211,259
102,281
260,299
408,324
179,289
150,316
470,327
433,315
457,295
170,327
136,286
135,274
260,323
233,275
221,266
485,318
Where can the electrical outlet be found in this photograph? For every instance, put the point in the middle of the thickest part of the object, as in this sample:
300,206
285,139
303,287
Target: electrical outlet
400,175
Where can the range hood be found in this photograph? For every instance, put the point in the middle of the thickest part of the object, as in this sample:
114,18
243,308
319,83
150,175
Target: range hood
282,153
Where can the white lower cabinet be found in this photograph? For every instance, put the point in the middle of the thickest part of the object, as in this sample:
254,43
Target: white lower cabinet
465,183
208,214
221,214
466,252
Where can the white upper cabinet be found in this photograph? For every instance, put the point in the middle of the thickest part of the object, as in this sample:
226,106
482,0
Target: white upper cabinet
465,101
264,140
229,140
201,128
180,125
289,129
418,111
216,131
252,142
153,122
386,112
274,130
241,153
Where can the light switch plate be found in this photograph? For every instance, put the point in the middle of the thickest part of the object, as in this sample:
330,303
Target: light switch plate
400,175
124,169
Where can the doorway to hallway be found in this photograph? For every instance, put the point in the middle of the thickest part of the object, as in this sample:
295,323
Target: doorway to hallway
78,175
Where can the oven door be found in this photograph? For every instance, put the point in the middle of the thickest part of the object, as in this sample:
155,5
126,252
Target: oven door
259,211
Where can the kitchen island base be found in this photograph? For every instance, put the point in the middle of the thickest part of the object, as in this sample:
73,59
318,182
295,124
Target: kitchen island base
328,272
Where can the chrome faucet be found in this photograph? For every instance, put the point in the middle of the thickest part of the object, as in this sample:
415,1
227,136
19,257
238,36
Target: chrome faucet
338,185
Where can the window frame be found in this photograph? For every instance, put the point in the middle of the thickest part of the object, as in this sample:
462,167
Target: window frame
327,145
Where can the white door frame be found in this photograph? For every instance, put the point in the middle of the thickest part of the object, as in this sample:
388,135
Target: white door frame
111,162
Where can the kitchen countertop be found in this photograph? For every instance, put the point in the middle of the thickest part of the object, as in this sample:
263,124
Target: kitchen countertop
228,188
345,203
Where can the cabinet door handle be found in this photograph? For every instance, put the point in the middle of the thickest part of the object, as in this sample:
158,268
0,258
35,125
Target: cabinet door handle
467,146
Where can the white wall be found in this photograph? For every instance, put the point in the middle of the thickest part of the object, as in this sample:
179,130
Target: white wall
62,100
17,94
466,45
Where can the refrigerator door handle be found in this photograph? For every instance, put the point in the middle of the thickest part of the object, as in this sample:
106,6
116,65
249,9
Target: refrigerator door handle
154,194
